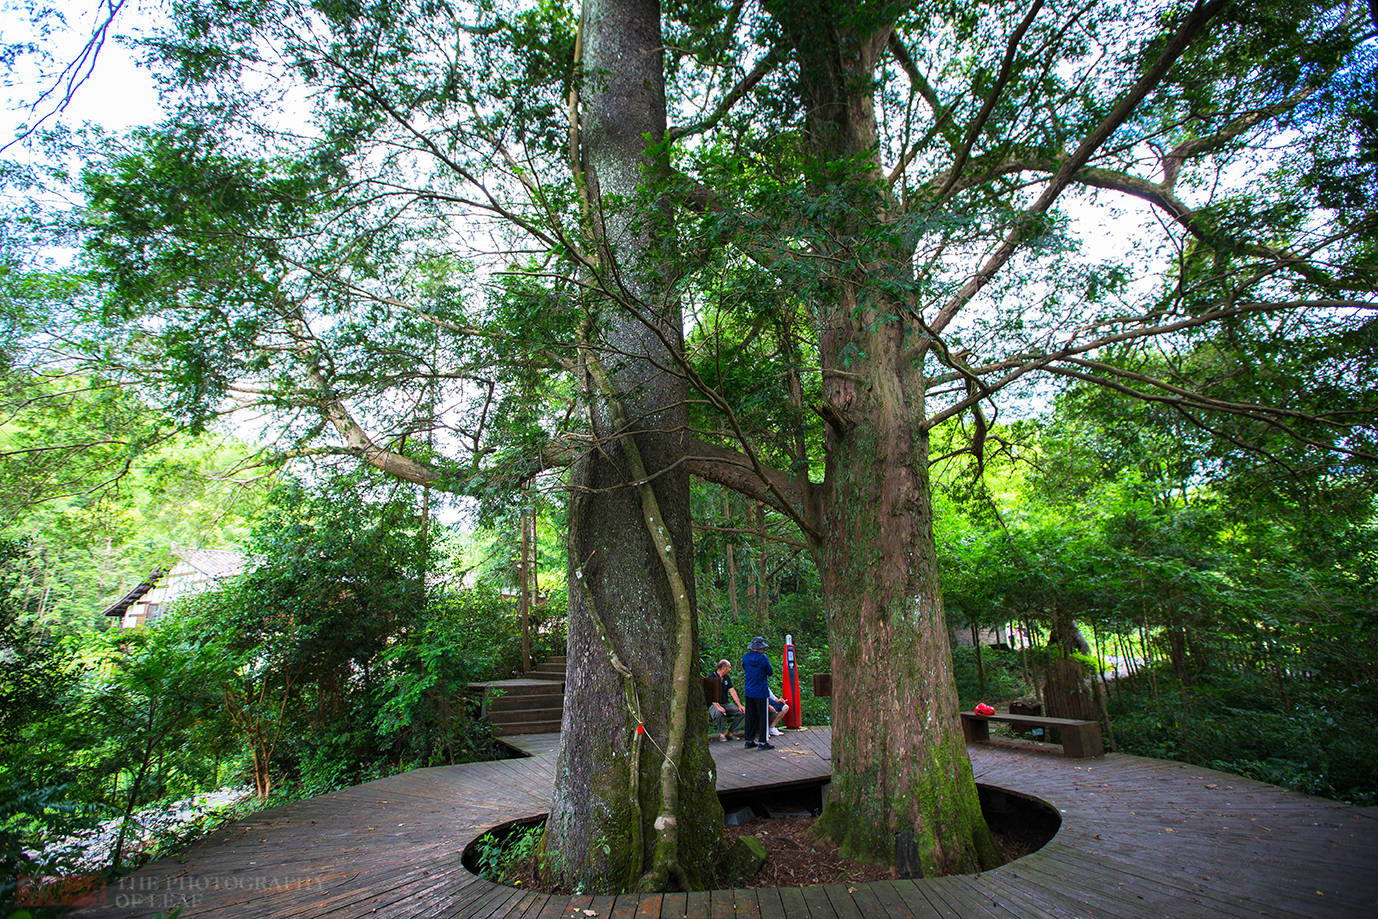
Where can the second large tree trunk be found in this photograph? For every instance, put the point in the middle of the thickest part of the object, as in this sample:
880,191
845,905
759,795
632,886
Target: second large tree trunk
902,788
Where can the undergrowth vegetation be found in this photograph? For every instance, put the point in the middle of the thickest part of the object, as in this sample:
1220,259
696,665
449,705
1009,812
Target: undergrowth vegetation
328,662
1318,739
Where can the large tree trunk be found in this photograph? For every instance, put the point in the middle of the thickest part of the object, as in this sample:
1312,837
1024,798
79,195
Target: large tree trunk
630,809
902,781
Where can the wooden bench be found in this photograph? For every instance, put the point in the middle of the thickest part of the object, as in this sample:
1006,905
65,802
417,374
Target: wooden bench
1078,738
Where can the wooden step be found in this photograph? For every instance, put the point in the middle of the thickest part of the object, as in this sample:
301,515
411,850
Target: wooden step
508,688
543,710
553,696
532,704
533,727
535,722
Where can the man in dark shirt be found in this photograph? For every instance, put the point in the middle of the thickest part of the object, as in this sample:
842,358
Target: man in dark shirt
728,706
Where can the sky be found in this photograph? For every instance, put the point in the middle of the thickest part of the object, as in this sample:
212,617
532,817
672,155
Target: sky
119,94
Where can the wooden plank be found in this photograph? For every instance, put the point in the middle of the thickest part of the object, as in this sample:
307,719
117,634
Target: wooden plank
1147,883
472,901
769,904
491,904
1140,837
602,905
792,902
625,907
673,906
816,899
916,897
517,905
1016,894
650,907
959,900
746,904
920,896
720,905
697,904
881,900
844,907
557,907
575,903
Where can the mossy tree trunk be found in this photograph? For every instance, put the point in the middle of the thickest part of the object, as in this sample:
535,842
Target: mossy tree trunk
630,810
901,777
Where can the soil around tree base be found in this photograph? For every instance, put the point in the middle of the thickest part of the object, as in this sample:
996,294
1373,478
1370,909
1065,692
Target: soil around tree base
795,857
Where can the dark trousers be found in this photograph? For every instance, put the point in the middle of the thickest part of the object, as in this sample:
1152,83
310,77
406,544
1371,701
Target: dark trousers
756,722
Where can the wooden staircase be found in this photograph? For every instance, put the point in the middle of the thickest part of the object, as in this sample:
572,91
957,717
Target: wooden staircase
532,704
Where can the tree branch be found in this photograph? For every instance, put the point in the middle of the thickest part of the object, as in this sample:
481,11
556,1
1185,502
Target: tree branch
748,476
1172,161
1021,365
75,73
1195,22
744,86
1184,399
1003,79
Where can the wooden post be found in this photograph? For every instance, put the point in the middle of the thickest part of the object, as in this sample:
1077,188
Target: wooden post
731,557
762,589
524,596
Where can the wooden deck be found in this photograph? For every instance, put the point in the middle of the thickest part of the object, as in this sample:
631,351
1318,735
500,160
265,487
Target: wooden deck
1139,838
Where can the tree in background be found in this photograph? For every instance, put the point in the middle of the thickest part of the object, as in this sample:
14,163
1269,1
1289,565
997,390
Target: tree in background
155,692
928,237
1220,603
97,480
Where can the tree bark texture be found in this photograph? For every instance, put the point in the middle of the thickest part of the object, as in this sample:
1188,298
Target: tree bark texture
901,776
630,809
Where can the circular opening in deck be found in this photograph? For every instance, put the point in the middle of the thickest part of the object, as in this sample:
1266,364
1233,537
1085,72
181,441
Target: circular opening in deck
1026,823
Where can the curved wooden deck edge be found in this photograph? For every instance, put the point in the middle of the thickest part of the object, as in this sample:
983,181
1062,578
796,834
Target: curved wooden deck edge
1139,838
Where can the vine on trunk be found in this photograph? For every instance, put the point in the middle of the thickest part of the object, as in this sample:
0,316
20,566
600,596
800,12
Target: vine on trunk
665,863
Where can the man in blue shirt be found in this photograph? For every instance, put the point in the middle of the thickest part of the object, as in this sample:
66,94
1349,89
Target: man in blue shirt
756,671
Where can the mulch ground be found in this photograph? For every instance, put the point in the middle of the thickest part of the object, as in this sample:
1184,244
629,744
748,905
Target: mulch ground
797,858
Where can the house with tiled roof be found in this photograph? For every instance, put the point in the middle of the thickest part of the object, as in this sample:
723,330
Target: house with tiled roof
196,570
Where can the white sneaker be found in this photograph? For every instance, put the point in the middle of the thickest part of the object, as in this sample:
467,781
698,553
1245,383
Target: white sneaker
774,732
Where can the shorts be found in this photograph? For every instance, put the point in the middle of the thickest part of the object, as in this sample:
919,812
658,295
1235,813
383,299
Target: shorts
776,704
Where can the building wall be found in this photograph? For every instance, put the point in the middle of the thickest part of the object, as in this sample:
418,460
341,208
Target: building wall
181,581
